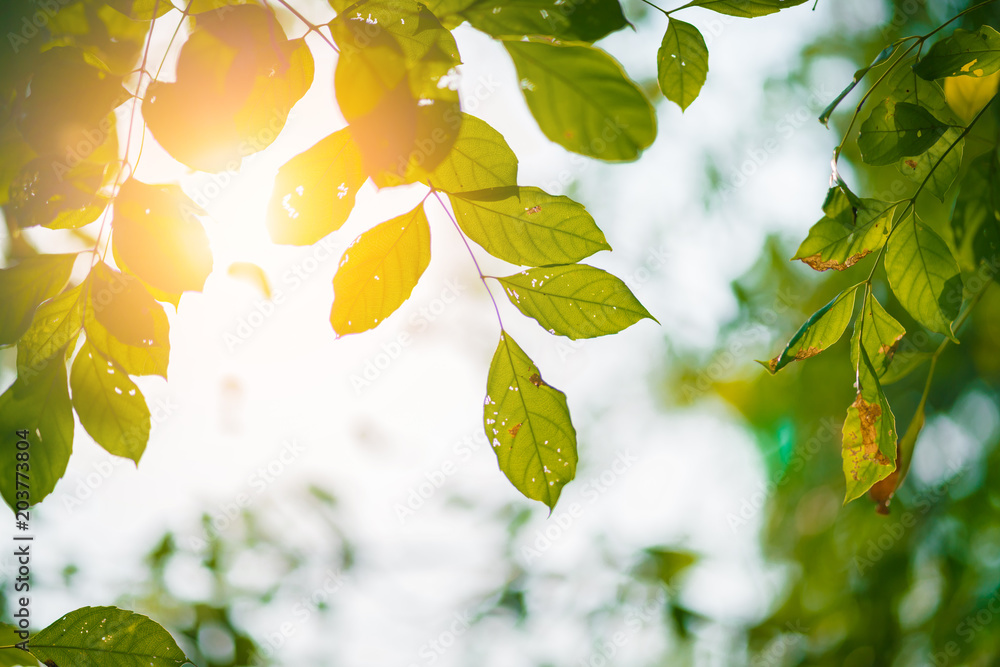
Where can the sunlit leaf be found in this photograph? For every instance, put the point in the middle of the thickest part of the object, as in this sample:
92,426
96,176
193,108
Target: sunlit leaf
820,331
527,421
379,271
924,275
962,53
527,226
841,241
46,192
578,21
106,637
747,9
24,286
869,444
158,238
37,403
682,63
574,300
968,95
895,130
583,100
479,159
880,334
54,329
314,192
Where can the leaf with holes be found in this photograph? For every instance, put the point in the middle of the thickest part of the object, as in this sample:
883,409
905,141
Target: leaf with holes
924,275
480,159
314,192
527,421
109,404
583,100
106,637
378,272
820,331
528,226
896,130
846,235
24,286
963,53
682,63
575,300
39,404
869,443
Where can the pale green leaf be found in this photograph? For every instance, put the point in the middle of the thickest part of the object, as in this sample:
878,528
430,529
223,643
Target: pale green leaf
24,286
527,421
820,331
841,240
682,63
578,21
480,159
879,332
53,330
746,9
869,444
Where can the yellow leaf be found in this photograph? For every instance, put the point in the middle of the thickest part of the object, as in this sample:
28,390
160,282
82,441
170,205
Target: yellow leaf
967,95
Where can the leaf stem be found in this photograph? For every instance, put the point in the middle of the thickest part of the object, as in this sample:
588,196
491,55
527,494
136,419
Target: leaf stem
312,27
661,9
482,276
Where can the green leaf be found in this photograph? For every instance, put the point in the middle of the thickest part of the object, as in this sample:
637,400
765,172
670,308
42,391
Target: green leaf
159,240
883,55
24,286
939,165
107,637
125,323
574,300
13,657
583,100
820,331
314,192
904,363
924,275
962,53
109,404
905,86
682,63
869,444
527,226
841,240
378,272
527,421
54,329
142,10
480,159
896,130
975,222
38,403
578,21
746,9
880,333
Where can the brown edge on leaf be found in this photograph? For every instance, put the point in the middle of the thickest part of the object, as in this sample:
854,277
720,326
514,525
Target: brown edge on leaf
816,261
537,380
808,352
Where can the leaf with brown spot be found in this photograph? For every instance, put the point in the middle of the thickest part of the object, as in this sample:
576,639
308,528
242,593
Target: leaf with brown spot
537,380
869,444
845,236
881,334
514,430
819,332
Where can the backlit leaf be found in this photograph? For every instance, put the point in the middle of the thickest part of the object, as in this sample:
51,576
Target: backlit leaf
479,159
583,100
896,130
574,300
109,404
314,192
968,95
747,9
924,275
378,272
106,637
578,21
880,334
53,330
527,421
841,241
682,63
527,226
963,53
820,331
939,165
869,444
24,286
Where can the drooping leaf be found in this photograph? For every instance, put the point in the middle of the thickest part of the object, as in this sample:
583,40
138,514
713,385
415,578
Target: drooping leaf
574,300
842,240
883,55
820,331
746,9
37,403
314,192
24,286
109,404
939,165
963,53
975,222
527,421
125,323
159,239
237,79
682,63
924,275
869,444
527,226
896,130
479,159
53,330
583,100
379,271
882,492
880,334
968,95
106,637
582,21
